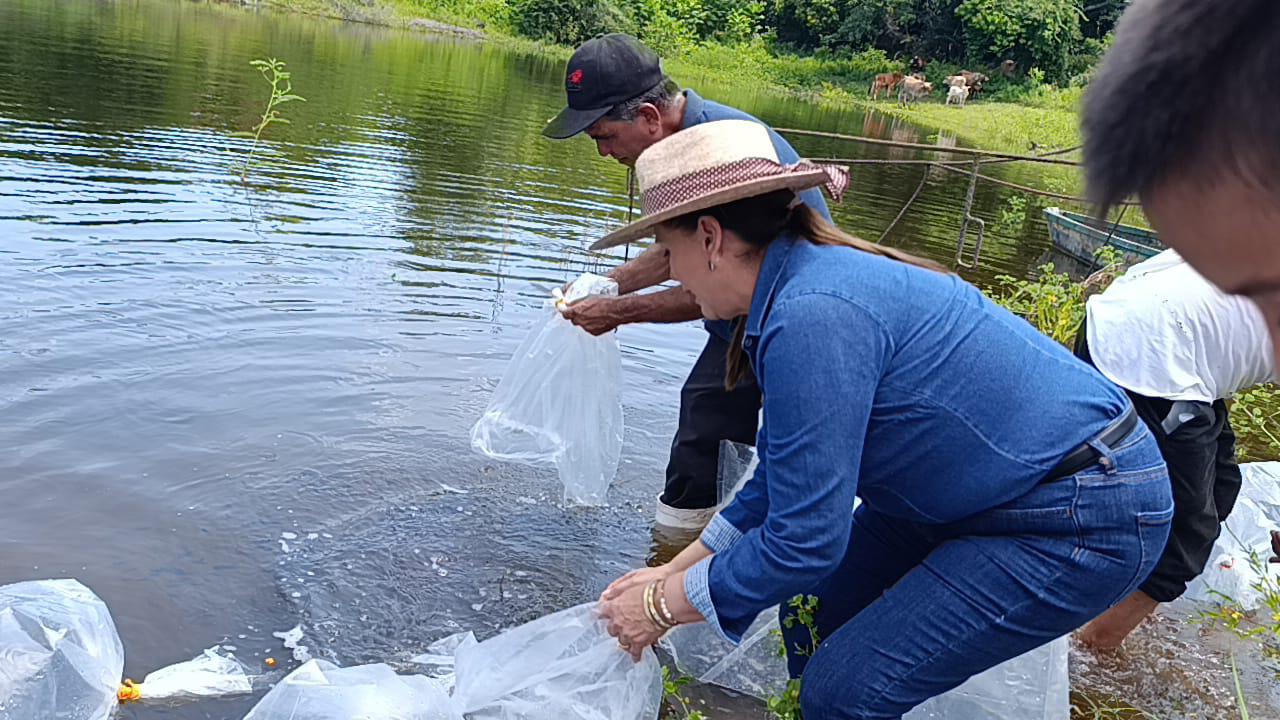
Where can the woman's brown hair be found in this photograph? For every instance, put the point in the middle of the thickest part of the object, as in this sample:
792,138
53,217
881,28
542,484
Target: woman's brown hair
759,221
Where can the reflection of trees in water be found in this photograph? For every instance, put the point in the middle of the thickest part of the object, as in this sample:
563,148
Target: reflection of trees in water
430,141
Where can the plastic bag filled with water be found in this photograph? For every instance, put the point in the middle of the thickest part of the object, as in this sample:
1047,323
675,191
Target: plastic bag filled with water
60,655
559,401
1231,573
563,666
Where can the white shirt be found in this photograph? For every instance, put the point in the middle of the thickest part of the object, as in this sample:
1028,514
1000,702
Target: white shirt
1163,331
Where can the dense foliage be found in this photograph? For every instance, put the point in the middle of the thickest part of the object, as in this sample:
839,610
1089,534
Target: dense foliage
1059,39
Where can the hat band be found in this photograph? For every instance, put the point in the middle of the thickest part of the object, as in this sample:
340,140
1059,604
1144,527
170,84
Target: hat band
686,188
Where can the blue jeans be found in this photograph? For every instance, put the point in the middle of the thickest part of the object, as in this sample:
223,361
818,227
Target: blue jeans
914,609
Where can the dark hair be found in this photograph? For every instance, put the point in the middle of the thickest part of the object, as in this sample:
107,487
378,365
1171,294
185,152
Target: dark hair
758,221
660,96
1187,87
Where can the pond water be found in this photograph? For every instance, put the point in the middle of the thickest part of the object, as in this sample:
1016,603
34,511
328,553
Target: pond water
236,406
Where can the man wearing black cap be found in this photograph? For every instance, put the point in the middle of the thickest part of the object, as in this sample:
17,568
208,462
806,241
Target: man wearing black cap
619,96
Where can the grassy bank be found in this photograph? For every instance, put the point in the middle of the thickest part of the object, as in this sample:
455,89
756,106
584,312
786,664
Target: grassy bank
1011,117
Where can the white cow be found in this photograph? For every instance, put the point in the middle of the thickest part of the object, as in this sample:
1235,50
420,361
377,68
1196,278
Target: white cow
957,94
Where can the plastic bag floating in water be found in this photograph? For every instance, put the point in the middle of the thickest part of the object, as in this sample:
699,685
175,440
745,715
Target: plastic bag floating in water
563,666
559,402
60,655
209,674
1247,531
61,658
320,690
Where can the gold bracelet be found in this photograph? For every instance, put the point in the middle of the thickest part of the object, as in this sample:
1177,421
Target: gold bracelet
648,597
651,607
662,604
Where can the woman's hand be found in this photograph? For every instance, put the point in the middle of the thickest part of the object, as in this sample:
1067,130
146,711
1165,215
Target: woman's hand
636,578
628,620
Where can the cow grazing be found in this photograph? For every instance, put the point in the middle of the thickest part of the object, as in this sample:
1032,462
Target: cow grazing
886,83
913,89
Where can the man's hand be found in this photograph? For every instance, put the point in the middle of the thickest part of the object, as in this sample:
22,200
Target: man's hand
596,315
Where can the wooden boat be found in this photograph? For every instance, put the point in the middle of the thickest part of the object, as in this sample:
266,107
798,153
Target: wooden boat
1077,236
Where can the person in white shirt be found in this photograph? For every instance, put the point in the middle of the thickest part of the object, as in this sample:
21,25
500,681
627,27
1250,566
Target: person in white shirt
1179,347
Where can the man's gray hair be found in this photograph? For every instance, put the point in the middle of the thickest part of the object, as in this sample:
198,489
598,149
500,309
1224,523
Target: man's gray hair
660,96
1187,91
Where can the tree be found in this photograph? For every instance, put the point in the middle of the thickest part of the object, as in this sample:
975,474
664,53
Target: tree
1035,33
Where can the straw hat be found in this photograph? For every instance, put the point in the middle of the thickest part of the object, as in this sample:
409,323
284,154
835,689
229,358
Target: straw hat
712,164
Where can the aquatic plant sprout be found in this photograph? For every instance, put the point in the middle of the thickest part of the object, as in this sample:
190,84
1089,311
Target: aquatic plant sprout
281,92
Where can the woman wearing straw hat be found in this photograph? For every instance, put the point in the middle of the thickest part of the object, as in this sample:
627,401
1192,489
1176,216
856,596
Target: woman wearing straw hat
1008,493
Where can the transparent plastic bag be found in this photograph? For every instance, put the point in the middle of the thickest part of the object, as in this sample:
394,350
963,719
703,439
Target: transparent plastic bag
737,465
1247,531
210,674
60,655
1033,686
563,666
320,690
559,402
754,667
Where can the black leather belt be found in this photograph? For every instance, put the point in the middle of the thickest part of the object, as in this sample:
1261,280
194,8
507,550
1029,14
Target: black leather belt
1084,456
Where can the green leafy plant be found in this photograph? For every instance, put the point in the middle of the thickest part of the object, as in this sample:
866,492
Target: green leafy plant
787,705
1255,417
1261,626
273,71
569,22
673,692
1014,213
1052,302
1036,33
804,607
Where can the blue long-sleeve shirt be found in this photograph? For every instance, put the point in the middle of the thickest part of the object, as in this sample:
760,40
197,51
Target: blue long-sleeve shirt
902,386
698,110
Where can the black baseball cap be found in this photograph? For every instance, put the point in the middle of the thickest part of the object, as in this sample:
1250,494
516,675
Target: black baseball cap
603,72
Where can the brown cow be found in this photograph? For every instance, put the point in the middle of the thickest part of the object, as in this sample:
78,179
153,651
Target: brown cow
1009,68
973,81
913,89
887,82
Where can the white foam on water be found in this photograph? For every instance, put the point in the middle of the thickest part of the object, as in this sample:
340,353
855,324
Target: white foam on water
292,639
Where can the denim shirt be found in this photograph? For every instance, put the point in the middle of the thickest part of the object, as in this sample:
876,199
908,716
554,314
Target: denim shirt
697,111
902,386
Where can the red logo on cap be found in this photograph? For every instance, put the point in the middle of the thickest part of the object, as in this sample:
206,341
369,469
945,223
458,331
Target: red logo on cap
575,78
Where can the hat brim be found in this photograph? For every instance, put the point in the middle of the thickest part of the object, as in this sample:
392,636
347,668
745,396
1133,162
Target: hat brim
570,122
645,226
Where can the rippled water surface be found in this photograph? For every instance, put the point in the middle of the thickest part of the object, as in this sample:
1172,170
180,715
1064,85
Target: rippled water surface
234,406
